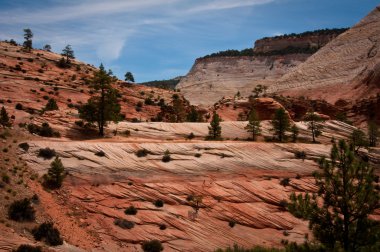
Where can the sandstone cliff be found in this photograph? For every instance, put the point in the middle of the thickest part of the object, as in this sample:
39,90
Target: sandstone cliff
347,68
213,77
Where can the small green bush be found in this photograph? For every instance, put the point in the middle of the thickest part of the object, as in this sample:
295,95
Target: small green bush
21,210
159,203
131,210
142,153
27,248
46,153
166,158
124,223
48,233
152,246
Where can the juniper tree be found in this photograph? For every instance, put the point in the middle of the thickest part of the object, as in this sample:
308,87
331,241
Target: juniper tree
28,35
4,118
253,125
51,105
68,53
56,173
280,124
314,124
347,194
129,77
215,130
358,140
103,106
47,48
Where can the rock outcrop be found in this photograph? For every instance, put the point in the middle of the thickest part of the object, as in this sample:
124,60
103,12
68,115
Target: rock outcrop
212,78
347,68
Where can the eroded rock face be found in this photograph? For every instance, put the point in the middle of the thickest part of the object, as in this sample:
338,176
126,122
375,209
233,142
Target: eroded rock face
346,68
212,78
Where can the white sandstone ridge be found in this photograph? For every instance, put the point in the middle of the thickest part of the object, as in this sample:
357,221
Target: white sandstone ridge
214,76
347,68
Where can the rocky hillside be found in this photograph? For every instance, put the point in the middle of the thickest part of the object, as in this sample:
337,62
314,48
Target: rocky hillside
226,73
348,68
29,79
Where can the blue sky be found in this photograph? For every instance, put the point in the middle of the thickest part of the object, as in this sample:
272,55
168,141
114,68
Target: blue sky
160,39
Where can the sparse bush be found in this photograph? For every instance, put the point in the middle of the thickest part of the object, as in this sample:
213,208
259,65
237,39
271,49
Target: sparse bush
124,223
131,210
127,133
148,101
19,106
159,203
190,197
51,105
231,223
190,136
300,155
100,153
5,178
27,248
48,233
56,173
152,246
166,158
142,153
46,153
197,155
285,181
21,210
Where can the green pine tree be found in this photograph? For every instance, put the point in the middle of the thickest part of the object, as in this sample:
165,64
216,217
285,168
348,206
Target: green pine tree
314,124
28,43
358,140
215,130
103,106
280,124
56,173
253,125
347,195
129,77
295,131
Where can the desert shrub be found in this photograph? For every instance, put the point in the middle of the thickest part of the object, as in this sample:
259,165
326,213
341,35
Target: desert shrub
285,181
48,233
197,155
51,105
127,133
131,210
166,158
19,106
21,210
46,153
162,226
100,153
30,60
231,223
40,70
283,204
124,223
159,203
46,130
142,153
152,246
5,150
70,105
45,97
27,248
190,136
300,155
5,178
298,176
149,101
139,104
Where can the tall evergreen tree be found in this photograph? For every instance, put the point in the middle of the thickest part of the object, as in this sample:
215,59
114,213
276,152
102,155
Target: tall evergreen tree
373,133
347,195
253,125
56,173
280,124
103,106
28,35
129,77
314,124
215,130
179,110
4,118
295,131
68,52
